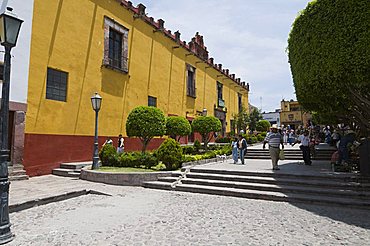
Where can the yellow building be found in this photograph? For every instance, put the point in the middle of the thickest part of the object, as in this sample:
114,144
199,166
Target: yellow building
293,115
113,48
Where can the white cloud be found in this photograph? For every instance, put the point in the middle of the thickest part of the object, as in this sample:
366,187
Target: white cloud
248,37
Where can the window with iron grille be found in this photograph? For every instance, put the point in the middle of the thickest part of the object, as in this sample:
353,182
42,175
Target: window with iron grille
220,101
115,48
152,101
115,45
56,85
190,84
240,103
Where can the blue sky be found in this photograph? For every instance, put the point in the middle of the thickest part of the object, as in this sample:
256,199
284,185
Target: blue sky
247,36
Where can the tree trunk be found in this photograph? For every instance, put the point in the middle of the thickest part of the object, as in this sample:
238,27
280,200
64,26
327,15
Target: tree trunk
145,142
204,140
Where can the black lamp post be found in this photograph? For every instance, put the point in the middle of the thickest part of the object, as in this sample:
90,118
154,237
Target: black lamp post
96,104
9,30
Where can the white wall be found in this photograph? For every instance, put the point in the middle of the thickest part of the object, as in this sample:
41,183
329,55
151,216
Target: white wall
272,117
21,53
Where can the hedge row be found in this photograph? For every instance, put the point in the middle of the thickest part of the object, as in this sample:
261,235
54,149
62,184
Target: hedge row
169,156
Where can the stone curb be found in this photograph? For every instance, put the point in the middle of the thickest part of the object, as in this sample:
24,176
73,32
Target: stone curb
46,200
204,161
125,179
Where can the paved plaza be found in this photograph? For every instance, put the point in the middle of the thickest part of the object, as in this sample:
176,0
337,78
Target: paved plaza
138,216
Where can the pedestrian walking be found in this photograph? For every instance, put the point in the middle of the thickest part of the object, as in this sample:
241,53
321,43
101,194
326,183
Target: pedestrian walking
234,145
120,144
274,139
108,141
242,144
304,139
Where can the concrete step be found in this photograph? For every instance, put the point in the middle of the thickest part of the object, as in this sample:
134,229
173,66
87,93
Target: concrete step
281,181
341,178
19,172
66,172
15,167
286,158
264,195
331,189
292,150
75,165
18,177
289,154
327,191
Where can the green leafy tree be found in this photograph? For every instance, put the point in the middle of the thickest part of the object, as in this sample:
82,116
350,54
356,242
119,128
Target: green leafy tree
254,117
329,56
241,120
205,126
145,123
263,125
177,126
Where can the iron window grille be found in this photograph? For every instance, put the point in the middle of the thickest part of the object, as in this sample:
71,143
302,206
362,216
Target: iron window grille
56,85
115,45
190,84
152,101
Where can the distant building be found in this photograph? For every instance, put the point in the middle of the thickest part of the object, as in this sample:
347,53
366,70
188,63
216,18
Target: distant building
293,115
272,117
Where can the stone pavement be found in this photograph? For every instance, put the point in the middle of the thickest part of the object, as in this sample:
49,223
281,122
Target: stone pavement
138,216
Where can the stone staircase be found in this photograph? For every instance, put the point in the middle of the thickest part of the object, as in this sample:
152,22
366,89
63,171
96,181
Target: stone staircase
290,154
350,191
16,172
72,169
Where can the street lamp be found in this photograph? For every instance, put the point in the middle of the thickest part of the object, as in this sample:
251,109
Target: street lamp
96,104
10,26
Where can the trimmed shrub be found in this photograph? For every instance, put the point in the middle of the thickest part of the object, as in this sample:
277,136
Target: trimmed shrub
177,126
147,160
263,125
260,138
108,155
197,145
254,139
137,159
341,64
145,123
209,155
205,126
188,150
263,134
170,153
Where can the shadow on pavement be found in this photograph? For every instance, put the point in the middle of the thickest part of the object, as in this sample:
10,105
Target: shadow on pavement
350,216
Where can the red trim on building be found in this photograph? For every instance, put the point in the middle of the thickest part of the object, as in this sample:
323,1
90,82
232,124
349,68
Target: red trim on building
44,152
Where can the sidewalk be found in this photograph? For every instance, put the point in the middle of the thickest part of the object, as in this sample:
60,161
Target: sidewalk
50,188
297,167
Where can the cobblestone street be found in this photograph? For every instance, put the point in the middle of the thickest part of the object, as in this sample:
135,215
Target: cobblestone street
137,216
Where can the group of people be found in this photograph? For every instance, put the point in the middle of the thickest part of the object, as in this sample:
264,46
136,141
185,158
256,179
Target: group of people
239,146
275,139
120,143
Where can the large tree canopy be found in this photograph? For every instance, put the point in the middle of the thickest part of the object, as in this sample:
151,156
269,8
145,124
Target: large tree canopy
329,54
145,123
205,126
177,126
